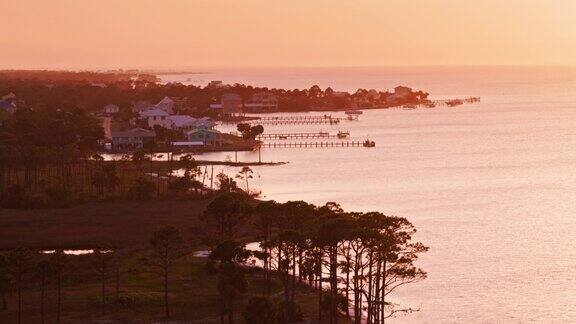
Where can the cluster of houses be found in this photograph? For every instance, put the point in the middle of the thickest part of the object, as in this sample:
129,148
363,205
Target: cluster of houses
231,104
194,131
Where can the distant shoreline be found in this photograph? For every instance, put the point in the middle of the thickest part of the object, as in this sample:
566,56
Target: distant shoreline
159,73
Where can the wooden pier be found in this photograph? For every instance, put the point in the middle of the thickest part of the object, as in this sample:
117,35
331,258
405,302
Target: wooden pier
294,120
305,117
285,136
318,144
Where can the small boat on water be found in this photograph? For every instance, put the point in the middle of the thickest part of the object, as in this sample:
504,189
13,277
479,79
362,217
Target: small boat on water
369,143
353,112
343,134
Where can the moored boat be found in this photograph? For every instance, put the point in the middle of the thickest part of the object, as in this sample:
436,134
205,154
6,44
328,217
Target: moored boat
369,143
343,134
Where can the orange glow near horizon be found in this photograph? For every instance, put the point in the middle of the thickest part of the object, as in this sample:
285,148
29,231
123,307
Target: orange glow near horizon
264,33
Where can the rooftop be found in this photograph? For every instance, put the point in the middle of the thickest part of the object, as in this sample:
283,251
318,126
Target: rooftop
134,132
154,112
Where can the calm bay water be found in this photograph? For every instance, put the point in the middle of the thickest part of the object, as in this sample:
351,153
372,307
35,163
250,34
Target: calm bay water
491,187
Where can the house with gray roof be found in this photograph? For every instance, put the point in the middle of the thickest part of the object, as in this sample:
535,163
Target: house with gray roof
132,139
156,117
182,122
209,137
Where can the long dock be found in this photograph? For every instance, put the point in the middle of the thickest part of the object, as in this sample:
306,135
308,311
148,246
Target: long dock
316,144
306,117
329,121
284,136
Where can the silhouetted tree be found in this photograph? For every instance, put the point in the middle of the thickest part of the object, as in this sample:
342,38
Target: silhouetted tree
225,212
102,260
165,247
245,174
231,278
44,272
61,265
20,262
226,184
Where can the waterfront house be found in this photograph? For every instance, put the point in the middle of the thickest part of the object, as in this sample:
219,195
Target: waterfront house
262,102
205,123
182,122
156,117
186,123
111,109
134,138
230,104
400,94
209,137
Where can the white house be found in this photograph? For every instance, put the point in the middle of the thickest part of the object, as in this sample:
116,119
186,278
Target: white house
156,117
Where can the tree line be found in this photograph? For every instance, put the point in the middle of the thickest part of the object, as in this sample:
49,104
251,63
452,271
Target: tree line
354,260
66,90
47,159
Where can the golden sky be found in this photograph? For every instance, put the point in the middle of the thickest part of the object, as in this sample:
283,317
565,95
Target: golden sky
280,33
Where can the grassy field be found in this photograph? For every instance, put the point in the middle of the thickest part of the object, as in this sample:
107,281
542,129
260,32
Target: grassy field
119,224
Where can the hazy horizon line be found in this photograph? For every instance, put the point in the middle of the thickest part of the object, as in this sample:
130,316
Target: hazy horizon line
207,69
